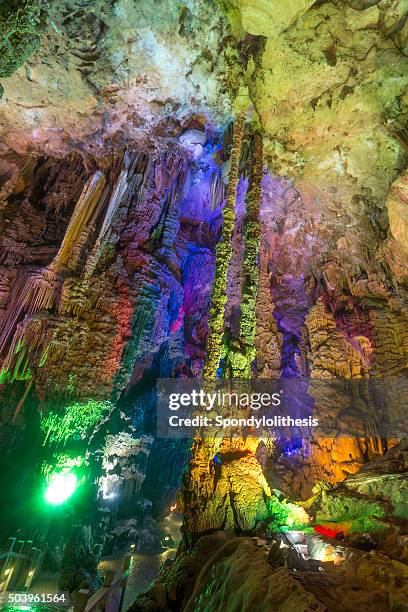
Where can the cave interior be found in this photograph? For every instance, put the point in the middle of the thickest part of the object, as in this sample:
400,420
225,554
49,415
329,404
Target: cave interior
203,192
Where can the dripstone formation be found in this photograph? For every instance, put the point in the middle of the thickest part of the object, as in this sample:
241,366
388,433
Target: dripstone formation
219,190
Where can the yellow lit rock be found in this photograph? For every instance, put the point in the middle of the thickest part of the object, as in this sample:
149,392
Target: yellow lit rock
266,17
397,206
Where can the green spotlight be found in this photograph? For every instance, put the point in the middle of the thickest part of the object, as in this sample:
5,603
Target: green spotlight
60,488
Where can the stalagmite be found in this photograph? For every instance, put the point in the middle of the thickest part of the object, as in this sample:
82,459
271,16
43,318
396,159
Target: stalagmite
268,340
223,256
242,359
213,496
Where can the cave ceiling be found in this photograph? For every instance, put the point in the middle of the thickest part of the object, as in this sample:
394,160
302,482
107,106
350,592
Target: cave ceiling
326,81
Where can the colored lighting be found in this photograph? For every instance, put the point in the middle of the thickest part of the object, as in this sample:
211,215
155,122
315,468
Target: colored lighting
60,488
327,531
109,496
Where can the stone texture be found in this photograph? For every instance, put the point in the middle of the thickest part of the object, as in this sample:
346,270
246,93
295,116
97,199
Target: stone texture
112,292
397,210
223,488
127,69
268,18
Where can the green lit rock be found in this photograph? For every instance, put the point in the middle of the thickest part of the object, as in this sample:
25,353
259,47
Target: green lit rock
19,37
238,362
339,506
252,234
284,515
222,260
76,420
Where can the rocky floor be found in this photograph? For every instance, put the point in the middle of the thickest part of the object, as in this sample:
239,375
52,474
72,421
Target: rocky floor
353,553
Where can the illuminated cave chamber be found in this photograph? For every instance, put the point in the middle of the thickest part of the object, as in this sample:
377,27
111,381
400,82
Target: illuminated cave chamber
119,301
212,189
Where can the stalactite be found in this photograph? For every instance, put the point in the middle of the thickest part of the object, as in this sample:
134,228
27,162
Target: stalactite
75,293
171,223
20,404
37,291
217,190
15,307
31,338
223,257
30,294
114,202
78,250
142,325
171,180
41,292
16,365
76,420
83,211
96,308
118,193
